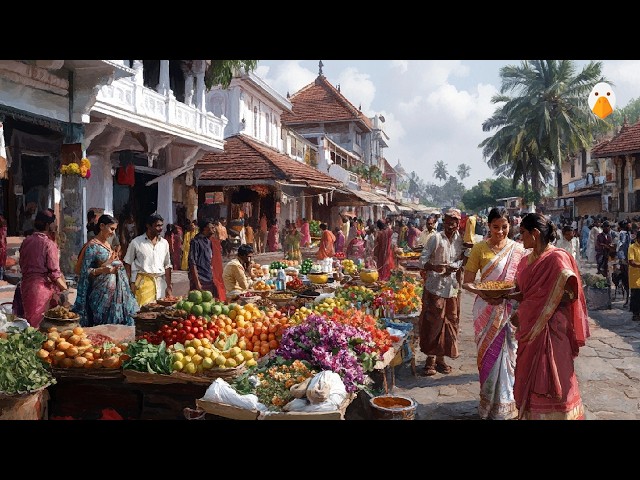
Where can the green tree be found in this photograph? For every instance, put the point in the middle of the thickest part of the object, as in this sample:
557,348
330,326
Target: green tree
220,72
463,171
441,172
550,105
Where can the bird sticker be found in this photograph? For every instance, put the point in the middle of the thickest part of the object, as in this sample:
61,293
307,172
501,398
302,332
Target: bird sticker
602,100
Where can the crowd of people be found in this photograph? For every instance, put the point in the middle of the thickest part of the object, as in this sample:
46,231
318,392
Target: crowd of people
526,340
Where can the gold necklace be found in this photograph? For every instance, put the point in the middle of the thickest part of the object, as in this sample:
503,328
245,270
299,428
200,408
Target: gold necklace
495,247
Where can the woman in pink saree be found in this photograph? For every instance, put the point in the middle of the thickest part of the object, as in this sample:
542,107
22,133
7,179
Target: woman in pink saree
306,233
552,325
273,238
383,252
41,275
496,259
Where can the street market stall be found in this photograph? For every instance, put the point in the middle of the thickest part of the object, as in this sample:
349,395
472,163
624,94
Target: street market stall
327,341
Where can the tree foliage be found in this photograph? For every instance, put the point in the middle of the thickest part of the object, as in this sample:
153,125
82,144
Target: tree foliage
221,72
543,117
440,171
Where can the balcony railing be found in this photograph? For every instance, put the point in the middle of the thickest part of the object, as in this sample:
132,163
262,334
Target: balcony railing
148,105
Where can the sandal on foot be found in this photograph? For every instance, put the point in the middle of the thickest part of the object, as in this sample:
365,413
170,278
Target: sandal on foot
429,371
443,368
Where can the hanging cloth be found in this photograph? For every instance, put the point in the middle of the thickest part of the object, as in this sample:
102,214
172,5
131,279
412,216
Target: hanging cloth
126,175
3,155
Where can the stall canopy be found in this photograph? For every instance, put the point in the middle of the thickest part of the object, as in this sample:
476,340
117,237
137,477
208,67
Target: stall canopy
371,198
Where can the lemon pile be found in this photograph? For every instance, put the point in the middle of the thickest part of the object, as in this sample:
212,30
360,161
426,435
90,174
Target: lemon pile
199,355
349,267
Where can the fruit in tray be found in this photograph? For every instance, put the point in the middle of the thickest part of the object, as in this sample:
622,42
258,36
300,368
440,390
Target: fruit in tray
262,286
349,267
61,313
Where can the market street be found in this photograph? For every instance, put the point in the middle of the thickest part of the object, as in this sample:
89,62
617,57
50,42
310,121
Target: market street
608,367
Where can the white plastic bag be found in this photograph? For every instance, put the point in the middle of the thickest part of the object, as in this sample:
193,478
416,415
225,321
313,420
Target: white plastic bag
326,385
221,392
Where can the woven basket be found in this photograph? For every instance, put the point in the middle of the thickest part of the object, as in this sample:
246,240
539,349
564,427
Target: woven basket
17,395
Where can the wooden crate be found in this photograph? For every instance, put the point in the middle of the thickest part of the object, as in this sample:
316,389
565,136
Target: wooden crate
237,413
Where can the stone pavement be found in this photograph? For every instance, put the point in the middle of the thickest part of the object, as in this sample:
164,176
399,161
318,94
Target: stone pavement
608,370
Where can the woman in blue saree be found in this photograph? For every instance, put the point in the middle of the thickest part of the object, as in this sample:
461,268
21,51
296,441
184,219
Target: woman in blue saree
103,295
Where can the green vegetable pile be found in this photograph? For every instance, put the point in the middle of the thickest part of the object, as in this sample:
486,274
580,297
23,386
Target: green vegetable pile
147,357
595,281
21,370
277,265
306,265
314,228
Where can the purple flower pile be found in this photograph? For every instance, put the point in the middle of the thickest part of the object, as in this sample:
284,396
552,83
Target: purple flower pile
349,351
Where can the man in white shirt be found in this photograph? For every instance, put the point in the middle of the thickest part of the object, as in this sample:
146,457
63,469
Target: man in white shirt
148,263
569,241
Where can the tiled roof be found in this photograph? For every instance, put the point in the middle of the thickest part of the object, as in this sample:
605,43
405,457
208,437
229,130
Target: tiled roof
247,159
625,142
322,102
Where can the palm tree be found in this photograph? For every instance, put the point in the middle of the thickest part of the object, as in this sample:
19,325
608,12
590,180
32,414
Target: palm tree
550,105
440,171
220,72
512,152
463,171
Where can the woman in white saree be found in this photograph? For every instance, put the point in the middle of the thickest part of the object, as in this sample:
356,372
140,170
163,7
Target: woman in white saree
496,258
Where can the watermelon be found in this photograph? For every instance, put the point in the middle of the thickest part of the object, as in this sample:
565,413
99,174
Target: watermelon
207,296
195,296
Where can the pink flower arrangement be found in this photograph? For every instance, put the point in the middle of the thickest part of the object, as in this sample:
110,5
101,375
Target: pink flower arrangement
347,350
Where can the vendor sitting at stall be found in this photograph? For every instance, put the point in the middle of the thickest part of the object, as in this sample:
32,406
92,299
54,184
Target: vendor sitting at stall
235,271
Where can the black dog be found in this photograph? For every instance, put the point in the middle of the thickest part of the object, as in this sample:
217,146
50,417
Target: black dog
620,280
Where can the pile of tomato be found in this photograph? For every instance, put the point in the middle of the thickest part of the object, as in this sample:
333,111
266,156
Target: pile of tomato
295,284
178,331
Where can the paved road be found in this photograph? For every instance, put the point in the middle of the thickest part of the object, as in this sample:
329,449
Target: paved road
608,370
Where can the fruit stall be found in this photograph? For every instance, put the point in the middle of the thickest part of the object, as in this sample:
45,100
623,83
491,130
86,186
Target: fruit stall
303,352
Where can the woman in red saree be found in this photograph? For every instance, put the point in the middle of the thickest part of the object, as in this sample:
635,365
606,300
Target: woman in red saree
552,325
383,252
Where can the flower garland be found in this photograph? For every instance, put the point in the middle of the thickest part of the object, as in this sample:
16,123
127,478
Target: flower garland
82,169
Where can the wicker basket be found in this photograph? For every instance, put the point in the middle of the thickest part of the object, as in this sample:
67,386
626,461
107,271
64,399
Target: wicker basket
147,322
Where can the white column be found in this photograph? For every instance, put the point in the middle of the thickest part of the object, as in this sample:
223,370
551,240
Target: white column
165,199
163,85
138,78
100,184
188,89
199,100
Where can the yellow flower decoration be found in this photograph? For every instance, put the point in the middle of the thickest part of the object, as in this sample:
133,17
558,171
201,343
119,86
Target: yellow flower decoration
85,163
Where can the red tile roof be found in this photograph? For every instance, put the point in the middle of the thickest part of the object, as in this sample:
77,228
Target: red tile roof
625,142
322,102
247,159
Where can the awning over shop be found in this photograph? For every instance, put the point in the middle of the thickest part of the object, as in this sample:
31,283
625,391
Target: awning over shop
371,198
404,208
582,193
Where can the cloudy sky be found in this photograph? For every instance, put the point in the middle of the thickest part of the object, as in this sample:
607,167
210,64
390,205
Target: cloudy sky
433,109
